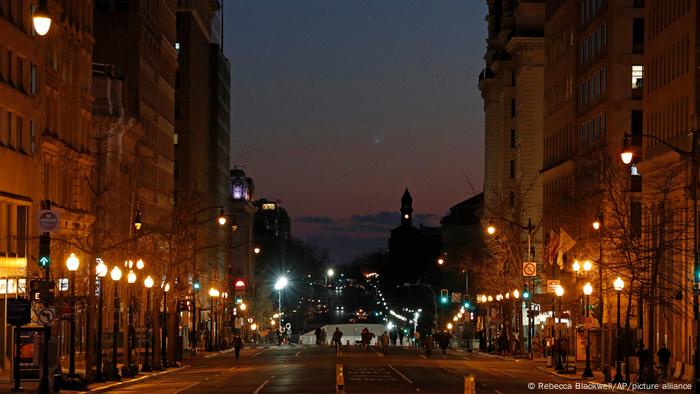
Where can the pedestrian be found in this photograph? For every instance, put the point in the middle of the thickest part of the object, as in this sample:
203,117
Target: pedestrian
237,345
337,337
317,333
664,356
416,339
385,342
428,341
444,341
400,337
644,356
323,336
394,336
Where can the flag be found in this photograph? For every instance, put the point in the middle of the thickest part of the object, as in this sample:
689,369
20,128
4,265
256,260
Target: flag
551,247
565,244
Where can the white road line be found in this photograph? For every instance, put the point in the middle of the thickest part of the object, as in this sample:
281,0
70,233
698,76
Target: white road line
449,370
298,353
402,375
231,369
188,387
505,373
262,385
379,354
422,355
497,392
259,353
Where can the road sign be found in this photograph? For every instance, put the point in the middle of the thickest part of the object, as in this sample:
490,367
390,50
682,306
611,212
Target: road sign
48,220
529,268
552,285
18,311
456,298
46,316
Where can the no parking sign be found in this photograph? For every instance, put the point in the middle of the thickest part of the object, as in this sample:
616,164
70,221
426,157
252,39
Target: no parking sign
529,268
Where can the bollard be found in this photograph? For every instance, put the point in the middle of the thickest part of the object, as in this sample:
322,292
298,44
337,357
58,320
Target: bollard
470,384
339,379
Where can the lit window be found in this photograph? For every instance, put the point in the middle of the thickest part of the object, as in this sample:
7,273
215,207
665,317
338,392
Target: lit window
637,76
177,46
175,138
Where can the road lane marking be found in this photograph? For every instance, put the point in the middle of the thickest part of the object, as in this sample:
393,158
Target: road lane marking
497,392
449,370
379,354
262,385
298,353
231,369
422,355
187,388
402,375
259,353
504,373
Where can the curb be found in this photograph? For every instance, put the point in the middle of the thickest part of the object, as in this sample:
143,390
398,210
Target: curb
212,355
114,385
562,375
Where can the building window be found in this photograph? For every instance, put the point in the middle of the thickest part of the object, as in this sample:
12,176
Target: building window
512,138
637,76
512,108
32,80
512,169
32,136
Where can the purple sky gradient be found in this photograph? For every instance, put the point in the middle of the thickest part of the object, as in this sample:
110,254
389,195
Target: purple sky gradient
339,105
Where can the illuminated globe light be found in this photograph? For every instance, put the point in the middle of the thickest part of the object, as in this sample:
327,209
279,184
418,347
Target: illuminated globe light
405,216
577,266
116,274
213,292
490,298
243,307
166,288
491,229
253,326
587,289
139,264
483,298
455,318
596,225
222,217
256,250
41,18
626,155
441,261
619,284
272,323
587,265
516,293
559,291
101,269
148,282
131,277
72,263
330,272
449,326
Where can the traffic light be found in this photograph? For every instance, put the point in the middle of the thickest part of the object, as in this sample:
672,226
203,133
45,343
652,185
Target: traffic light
526,293
196,286
444,296
45,250
239,300
467,302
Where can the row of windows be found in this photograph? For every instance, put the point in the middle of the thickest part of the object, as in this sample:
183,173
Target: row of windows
559,94
592,133
560,145
559,42
592,46
557,198
17,13
17,71
62,182
17,133
591,89
664,12
590,8
670,64
669,121
13,230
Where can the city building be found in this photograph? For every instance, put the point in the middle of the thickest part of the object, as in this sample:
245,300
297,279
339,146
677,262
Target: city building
512,86
243,244
413,251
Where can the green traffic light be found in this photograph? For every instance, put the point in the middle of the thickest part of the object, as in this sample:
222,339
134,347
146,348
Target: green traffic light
44,261
467,305
443,300
526,294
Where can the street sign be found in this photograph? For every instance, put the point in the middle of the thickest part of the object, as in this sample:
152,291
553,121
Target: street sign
552,285
48,220
18,311
529,268
456,298
46,316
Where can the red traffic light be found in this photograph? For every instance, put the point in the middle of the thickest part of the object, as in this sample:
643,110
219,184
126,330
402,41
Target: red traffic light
240,284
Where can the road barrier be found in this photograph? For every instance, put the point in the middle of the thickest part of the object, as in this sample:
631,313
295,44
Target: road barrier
470,384
339,379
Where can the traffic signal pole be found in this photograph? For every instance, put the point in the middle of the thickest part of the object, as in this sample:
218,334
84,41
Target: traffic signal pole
44,254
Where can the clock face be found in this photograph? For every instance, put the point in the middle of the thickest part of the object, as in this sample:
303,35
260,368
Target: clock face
238,191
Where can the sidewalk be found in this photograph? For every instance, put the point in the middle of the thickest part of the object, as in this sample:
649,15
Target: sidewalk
6,382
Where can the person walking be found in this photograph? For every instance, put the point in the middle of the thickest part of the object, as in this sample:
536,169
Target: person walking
664,356
428,342
317,333
384,339
237,345
444,341
400,337
336,339
394,336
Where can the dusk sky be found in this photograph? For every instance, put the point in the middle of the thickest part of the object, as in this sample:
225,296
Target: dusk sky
337,106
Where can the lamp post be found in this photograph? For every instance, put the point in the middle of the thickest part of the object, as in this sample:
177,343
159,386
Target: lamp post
588,373
72,264
224,316
619,284
559,292
164,327
213,293
116,275
101,271
598,226
279,286
693,155
148,283
128,369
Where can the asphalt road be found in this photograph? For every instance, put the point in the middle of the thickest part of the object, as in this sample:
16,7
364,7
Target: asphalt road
308,369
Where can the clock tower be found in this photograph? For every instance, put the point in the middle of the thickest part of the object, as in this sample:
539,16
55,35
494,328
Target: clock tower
406,209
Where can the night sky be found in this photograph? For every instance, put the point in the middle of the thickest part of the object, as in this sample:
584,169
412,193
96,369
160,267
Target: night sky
339,105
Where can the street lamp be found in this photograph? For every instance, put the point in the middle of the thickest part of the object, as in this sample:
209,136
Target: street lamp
164,326
588,373
559,292
280,284
491,229
222,217
619,284
116,275
72,264
137,221
128,370
41,18
148,283
587,265
330,272
213,293
101,271
256,250
441,260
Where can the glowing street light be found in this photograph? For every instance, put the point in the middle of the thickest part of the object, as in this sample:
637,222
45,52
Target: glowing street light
41,18
491,229
256,250
330,272
222,218
72,264
281,283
